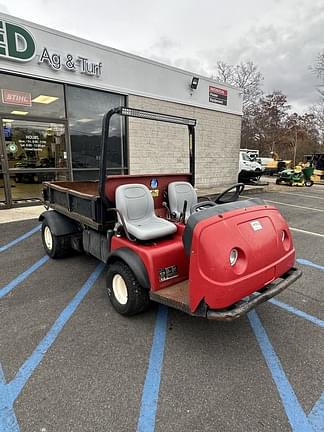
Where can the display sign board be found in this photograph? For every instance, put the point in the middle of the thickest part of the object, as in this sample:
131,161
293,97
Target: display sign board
14,97
217,95
32,143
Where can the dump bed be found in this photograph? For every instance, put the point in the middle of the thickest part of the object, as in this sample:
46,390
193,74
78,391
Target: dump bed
80,201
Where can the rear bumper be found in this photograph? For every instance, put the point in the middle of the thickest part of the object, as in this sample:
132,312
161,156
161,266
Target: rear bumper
254,300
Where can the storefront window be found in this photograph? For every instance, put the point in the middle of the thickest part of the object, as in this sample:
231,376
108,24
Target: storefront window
29,97
86,109
34,144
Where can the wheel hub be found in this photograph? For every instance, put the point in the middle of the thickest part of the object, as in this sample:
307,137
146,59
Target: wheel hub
120,289
48,238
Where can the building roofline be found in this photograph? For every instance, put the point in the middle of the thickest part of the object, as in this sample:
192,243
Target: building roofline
114,50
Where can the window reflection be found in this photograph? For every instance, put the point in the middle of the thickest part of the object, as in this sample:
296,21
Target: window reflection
86,109
29,97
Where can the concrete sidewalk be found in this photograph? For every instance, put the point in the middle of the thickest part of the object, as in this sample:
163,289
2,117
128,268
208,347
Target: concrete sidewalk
20,213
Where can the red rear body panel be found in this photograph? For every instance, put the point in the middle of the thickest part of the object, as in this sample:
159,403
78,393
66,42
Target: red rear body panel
256,232
158,255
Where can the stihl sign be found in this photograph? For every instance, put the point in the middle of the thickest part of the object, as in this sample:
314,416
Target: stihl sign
13,97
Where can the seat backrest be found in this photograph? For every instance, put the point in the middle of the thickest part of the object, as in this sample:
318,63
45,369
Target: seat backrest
178,193
135,202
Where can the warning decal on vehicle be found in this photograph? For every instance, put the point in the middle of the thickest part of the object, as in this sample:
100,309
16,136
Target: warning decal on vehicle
256,225
168,273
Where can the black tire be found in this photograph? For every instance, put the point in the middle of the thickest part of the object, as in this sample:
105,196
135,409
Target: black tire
60,245
278,181
309,183
137,299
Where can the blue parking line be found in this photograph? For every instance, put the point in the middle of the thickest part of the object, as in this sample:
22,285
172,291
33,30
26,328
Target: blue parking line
146,420
296,415
8,419
298,312
19,239
316,416
26,370
309,264
20,278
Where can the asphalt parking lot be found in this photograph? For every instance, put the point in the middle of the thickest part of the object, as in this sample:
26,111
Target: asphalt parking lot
69,362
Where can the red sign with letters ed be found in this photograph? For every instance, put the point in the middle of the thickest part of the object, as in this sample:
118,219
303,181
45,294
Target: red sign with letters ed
14,97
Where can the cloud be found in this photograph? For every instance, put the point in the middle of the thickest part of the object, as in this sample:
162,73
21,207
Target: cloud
4,8
283,52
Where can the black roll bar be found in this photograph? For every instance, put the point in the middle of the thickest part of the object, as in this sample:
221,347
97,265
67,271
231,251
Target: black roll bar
148,115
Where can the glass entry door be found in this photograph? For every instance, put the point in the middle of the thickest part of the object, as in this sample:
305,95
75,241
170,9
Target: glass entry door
34,151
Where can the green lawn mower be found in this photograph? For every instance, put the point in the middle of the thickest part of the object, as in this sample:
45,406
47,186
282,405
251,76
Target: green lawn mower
296,177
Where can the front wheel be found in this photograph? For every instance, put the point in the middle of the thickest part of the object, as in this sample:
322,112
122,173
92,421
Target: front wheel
55,246
126,295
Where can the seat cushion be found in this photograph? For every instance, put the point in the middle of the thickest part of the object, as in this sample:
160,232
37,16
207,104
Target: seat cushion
150,229
135,203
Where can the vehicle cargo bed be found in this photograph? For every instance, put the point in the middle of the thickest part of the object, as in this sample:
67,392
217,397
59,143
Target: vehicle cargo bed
78,200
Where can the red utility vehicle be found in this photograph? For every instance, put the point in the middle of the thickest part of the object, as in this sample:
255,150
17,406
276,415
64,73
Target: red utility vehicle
212,259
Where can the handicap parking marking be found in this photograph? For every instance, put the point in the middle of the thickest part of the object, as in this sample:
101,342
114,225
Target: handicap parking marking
24,275
316,416
9,392
309,264
298,419
298,312
19,239
150,395
8,419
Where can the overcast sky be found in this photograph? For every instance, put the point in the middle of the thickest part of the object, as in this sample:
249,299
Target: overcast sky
283,37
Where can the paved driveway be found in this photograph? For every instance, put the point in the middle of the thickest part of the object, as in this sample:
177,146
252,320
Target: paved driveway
69,362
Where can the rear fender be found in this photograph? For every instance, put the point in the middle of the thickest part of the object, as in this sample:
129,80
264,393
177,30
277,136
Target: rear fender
134,262
59,225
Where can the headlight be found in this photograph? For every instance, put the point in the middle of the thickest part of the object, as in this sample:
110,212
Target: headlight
233,256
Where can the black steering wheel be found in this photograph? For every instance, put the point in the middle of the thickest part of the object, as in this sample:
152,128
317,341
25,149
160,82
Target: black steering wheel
238,188
202,205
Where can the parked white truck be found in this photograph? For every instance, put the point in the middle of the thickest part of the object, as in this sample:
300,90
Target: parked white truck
249,167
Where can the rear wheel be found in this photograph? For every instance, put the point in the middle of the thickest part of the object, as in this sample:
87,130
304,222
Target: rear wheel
309,183
278,181
55,246
126,295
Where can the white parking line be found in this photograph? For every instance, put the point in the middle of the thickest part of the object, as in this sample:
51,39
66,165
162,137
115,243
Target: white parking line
306,232
303,195
294,205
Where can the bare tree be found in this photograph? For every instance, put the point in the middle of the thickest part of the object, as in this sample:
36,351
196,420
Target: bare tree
318,112
244,75
318,69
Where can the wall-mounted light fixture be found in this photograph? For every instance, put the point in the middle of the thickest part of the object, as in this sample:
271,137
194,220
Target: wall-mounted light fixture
194,83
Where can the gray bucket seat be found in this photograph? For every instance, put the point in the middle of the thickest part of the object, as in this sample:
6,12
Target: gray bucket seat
178,193
135,203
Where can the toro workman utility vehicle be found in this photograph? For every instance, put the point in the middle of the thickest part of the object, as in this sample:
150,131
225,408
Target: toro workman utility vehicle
212,259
